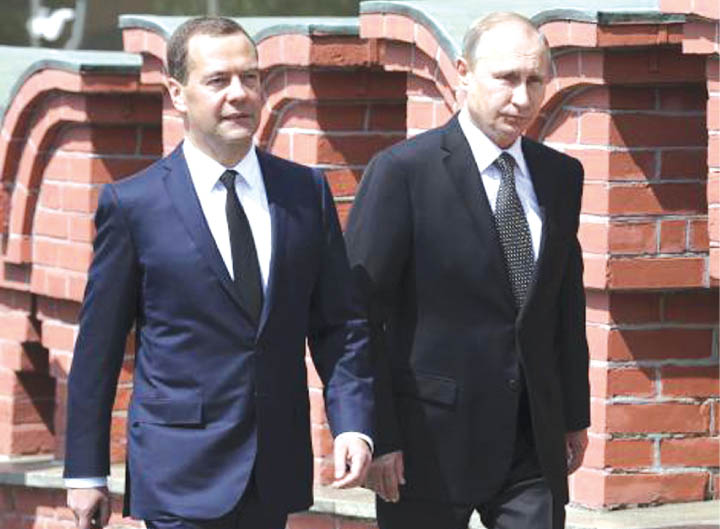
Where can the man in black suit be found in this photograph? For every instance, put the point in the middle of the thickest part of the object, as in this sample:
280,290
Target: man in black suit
225,259
463,246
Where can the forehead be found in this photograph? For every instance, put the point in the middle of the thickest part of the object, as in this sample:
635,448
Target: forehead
213,52
510,45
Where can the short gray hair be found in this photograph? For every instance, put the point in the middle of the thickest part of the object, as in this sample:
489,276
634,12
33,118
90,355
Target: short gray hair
486,23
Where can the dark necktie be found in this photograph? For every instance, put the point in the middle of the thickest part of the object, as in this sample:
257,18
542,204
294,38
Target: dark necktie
513,230
246,270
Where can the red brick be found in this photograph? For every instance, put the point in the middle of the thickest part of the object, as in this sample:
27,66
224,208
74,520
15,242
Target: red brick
622,307
339,52
56,336
326,117
713,112
322,440
683,164
652,66
99,140
310,521
713,187
676,272
417,86
312,374
387,117
331,149
82,228
655,488
80,198
698,237
642,130
696,306
51,223
399,27
618,453
630,382
396,56
324,471
17,327
653,418
632,237
673,236
31,439
420,114
690,381
593,237
50,194
595,198
615,98
564,128
713,152
317,407
657,199
343,182
657,344
691,452
621,35
683,98
329,84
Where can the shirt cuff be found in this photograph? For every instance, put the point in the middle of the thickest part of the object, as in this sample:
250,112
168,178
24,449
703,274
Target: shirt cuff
362,436
85,483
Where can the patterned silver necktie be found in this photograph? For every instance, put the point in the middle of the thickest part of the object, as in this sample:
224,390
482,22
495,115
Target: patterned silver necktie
514,232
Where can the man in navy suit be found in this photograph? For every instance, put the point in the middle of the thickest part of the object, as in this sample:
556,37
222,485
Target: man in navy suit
225,259
463,243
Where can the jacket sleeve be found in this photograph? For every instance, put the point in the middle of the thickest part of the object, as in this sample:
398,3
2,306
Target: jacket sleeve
571,338
107,314
378,236
338,336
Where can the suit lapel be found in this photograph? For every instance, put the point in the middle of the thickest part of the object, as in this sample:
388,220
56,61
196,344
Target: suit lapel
543,184
276,202
182,193
462,169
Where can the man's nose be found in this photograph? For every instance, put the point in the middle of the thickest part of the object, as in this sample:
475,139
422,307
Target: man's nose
235,89
521,94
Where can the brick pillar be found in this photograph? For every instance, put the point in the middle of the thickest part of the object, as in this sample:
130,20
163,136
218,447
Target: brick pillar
713,161
26,388
652,321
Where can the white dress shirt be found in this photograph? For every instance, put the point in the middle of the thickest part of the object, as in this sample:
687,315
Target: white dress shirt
485,153
205,173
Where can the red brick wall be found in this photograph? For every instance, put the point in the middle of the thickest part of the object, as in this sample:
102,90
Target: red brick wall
644,121
654,370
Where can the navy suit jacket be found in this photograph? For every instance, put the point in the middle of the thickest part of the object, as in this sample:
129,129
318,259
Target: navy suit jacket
215,394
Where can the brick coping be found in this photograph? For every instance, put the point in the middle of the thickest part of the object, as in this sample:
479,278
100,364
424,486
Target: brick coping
260,28
20,63
447,21
46,473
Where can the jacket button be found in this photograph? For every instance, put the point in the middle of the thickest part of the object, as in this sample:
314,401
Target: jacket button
513,384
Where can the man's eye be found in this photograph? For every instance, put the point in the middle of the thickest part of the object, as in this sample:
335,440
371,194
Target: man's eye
250,79
216,81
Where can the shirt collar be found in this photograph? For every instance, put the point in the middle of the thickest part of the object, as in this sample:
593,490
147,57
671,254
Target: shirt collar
485,150
205,171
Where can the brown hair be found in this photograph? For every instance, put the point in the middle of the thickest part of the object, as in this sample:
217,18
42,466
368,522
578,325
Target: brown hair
177,47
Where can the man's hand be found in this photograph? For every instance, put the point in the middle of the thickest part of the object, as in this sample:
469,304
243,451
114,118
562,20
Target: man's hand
90,506
386,473
575,445
352,459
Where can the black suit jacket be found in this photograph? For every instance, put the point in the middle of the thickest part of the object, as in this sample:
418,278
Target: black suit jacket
450,347
216,395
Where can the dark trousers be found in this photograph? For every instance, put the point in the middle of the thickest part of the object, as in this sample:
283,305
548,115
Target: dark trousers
249,513
523,502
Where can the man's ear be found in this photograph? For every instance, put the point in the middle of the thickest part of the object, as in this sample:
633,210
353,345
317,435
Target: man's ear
177,94
463,70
